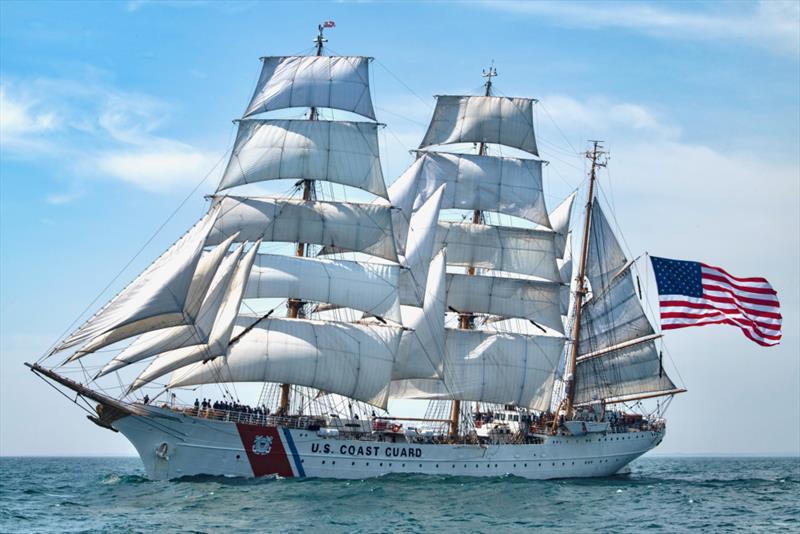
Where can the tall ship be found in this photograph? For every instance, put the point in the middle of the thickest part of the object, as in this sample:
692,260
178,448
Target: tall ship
455,285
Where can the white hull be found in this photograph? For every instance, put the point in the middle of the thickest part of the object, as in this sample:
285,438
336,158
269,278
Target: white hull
197,446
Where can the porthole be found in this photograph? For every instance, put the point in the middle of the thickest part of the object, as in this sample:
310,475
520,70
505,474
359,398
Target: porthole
380,464
333,462
367,463
437,466
353,463
323,462
238,457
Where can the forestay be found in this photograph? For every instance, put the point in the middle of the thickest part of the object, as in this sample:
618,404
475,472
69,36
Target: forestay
605,256
164,295
349,359
615,316
368,287
335,151
502,248
422,344
337,82
482,119
539,301
350,226
511,186
175,337
632,370
499,368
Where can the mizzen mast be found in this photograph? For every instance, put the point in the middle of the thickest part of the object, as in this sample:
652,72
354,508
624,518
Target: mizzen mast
295,306
594,155
466,320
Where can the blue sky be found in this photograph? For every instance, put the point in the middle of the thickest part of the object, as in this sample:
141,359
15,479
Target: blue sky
112,113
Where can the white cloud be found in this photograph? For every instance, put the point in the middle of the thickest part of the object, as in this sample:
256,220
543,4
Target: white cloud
21,119
771,24
157,168
94,131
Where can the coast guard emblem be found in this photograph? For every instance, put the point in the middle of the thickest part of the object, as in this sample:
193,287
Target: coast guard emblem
262,445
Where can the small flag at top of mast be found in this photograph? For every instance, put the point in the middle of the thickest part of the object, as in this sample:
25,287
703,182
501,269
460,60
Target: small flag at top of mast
320,40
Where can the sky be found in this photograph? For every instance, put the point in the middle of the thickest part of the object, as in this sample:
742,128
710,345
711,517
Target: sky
115,118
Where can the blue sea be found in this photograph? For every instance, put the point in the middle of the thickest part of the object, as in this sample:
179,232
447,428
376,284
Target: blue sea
659,494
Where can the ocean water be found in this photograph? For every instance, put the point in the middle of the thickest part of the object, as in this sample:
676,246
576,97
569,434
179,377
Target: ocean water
659,494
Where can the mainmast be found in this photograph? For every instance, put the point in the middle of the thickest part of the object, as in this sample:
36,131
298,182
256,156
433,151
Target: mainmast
466,320
295,305
580,290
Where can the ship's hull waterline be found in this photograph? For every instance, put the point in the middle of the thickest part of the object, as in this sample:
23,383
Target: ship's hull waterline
173,445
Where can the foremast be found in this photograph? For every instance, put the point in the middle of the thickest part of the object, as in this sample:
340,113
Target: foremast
295,306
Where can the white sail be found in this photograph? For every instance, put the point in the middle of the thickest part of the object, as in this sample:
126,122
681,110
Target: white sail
419,249
499,368
482,119
334,151
560,220
355,227
422,345
535,300
175,337
511,186
605,257
157,298
337,82
613,317
632,370
349,359
502,248
368,287
221,332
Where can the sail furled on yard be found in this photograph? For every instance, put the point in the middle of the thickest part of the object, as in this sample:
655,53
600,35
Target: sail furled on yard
482,119
337,82
502,368
350,226
168,293
368,287
630,371
341,152
354,360
511,186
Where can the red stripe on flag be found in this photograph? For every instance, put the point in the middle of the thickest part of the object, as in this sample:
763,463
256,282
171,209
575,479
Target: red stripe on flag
747,289
729,275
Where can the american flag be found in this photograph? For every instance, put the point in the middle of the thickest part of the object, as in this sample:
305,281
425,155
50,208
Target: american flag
328,24
695,294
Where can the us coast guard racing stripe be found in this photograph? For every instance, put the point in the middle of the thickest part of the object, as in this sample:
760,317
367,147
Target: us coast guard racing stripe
298,465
